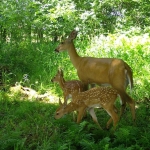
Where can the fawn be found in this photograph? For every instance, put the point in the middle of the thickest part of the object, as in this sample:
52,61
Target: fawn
104,97
70,88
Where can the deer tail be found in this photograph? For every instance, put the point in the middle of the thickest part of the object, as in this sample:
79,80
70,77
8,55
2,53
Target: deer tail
129,74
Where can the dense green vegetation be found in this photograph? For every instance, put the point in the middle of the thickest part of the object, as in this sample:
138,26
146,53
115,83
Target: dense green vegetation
31,125
29,33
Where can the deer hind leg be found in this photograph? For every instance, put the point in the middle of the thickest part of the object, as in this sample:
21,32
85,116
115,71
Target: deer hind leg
111,119
123,106
124,96
114,117
93,115
118,81
132,107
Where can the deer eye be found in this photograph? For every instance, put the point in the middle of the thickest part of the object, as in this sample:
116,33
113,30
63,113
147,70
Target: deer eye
57,113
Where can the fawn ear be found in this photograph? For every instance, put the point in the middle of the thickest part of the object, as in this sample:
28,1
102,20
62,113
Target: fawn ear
73,35
60,71
60,103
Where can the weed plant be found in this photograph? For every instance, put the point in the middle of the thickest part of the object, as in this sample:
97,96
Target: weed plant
31,125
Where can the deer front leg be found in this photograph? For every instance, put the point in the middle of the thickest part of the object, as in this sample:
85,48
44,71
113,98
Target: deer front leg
81,112
93,115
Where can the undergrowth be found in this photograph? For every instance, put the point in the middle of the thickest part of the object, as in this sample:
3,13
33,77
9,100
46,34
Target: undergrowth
31,125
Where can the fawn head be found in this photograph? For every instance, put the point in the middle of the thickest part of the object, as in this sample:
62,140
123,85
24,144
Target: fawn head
58,76
66,43
64,109
60,111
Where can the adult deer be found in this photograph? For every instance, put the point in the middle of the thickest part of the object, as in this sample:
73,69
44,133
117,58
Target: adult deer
69,88
112,71
104,97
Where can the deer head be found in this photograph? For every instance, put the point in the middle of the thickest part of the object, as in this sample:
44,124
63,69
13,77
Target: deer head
58,76
63,109
64,45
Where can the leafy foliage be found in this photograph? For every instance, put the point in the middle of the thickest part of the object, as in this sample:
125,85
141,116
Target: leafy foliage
50,19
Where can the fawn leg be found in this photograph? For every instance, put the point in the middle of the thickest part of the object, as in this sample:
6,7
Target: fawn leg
81,112
93,115
114,117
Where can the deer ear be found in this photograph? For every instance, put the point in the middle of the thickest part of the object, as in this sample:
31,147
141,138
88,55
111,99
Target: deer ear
60,103
61,71
72,35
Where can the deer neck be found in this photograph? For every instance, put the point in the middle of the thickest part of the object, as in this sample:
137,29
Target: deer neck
71,107
74,57
62,83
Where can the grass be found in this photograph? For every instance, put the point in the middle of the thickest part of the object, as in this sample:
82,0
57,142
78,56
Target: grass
26,124
31,125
